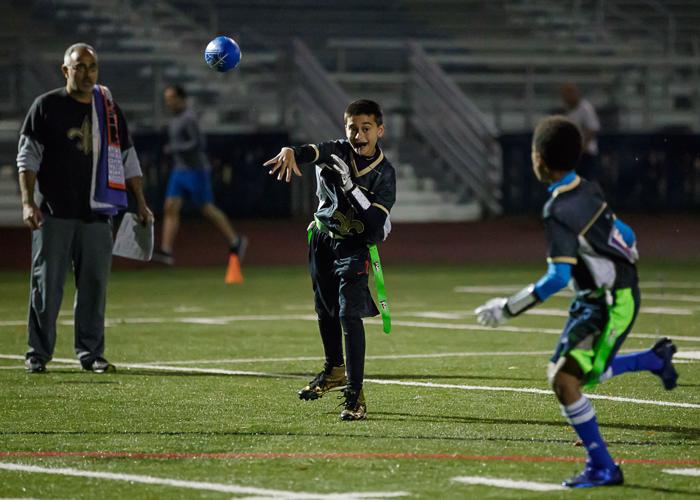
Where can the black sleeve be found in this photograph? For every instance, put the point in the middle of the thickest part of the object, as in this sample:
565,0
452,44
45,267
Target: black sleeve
124,136
562,242
374,208
35,125
318,153
385,190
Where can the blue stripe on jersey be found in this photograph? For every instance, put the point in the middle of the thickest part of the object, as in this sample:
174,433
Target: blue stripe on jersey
557,277
561,182
626,232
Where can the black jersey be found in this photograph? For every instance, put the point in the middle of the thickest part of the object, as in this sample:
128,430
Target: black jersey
63,128
375,176
581,231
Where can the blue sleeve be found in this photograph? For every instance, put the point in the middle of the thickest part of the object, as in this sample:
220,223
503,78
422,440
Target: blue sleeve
557,277
626,232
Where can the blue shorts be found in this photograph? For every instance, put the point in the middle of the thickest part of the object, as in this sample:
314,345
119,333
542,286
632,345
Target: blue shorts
194,184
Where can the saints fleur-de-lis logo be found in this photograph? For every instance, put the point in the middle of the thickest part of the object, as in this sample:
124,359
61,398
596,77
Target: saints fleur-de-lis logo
84,136
348,224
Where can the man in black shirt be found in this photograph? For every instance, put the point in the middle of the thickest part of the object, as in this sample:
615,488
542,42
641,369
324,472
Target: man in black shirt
356,188
588,243
62,142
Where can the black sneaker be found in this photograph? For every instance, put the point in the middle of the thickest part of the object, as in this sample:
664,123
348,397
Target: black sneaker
98,365
665,349
34,365
163,257
355,405
240,247
324,382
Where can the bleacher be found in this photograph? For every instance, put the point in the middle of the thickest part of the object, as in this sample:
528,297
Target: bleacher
637,60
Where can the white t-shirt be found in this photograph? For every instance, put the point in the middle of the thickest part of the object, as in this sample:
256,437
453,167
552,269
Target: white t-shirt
585,117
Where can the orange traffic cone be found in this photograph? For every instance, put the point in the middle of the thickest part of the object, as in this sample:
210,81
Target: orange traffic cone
233,271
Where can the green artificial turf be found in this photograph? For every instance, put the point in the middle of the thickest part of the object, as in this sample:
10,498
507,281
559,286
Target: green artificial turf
416,437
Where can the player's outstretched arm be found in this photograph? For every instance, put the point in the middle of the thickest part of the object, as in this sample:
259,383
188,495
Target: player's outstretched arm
497,311
283,164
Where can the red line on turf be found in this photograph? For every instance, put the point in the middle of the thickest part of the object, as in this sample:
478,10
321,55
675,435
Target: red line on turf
413,456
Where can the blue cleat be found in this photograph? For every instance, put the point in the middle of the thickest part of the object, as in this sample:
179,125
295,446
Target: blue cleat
591,477
665,349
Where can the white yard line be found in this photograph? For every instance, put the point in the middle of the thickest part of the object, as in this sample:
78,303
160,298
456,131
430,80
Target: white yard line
225,320
194,485
669,284
687,355
429,385
544,311
509,289
510,484
683,472
528,390
371,357
513,329
671,297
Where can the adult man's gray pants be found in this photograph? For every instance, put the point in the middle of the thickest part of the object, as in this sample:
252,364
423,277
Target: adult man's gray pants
55,246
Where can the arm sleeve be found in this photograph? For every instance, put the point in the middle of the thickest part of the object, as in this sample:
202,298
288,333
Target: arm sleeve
29,154
317,153
30,149
132,166
556,278
374,208
590,119
627,232
562,242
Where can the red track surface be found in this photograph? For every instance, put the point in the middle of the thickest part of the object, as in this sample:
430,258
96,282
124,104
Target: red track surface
503,239
361,456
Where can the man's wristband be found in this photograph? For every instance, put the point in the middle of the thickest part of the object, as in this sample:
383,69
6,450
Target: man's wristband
521,301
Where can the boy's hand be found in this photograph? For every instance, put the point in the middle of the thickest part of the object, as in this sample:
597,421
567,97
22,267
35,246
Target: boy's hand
284,164
493,313
342,168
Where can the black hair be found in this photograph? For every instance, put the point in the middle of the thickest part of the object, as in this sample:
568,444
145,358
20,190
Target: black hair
365,107
178,89
559,142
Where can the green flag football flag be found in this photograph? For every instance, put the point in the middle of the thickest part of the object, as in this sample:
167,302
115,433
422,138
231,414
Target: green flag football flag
381,290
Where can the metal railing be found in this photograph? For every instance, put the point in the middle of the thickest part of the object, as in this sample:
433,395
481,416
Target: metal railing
320,99
458,132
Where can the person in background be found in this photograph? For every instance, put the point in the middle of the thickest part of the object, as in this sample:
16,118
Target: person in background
190,178
582,113
75,147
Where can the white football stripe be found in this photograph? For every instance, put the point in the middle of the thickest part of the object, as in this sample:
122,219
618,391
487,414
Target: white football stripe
510,484
225,320
683,472
431,385
687,355
194,485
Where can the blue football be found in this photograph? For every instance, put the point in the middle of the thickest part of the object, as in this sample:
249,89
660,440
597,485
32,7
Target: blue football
222,54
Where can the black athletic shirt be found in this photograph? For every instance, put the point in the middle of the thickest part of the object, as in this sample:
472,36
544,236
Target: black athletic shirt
581,231
63,126
376,178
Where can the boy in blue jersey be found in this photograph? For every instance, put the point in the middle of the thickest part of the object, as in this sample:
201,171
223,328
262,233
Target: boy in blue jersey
356,188
589,244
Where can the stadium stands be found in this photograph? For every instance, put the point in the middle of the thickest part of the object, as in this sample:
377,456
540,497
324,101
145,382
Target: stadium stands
638,61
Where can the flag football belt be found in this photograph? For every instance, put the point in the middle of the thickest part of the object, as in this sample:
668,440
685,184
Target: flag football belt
376,269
